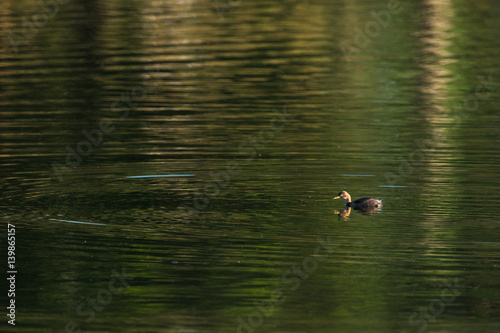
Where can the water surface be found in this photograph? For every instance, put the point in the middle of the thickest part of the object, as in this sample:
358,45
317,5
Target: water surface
170,166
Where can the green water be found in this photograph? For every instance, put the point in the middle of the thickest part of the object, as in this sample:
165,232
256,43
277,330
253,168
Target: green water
255,114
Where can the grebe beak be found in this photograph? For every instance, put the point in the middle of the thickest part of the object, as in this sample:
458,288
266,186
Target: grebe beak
337,197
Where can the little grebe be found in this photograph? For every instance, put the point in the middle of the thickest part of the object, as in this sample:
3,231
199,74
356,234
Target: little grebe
365,203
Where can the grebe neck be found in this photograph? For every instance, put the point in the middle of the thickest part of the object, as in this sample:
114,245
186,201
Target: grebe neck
348,199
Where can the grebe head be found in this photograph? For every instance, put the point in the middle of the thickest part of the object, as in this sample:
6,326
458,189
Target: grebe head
344,195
